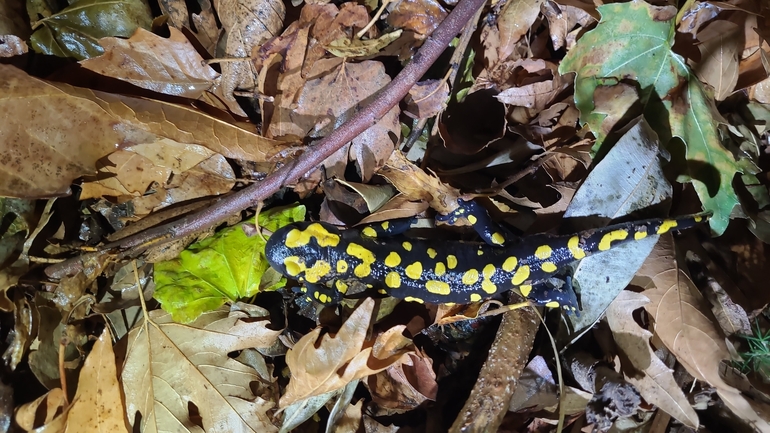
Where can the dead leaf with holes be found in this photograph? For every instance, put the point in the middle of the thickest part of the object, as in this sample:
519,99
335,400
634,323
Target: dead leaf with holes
171,368
325,366
657,385
684,323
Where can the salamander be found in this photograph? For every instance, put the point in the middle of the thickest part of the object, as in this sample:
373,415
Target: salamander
328,261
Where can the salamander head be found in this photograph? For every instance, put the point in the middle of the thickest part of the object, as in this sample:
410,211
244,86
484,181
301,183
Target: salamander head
298,250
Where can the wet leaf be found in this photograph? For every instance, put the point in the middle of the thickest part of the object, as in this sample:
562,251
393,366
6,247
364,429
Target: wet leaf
170,66
74,31
223,268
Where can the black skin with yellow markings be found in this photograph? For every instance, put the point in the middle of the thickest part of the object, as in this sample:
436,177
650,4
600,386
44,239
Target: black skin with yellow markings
328,260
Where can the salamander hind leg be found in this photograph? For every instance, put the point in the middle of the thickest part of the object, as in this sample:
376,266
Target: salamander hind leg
555,292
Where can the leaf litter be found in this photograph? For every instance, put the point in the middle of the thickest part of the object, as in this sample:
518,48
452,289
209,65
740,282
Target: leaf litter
554,116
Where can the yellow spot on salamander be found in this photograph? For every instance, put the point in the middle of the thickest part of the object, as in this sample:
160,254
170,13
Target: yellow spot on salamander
609,238
488,271
520,276
666,225
294,265
470,277
498,238
574,247
341,286
548,267
407,246
319,270
525,290
697,218
475,297
480,252
488,287
414,271
543,252
552,304
393,280
432,253
342,266
303,289
437,287
385,225
323,298
368,231
451,261
440,269
641,234
360,252
363,270
510,264
392,260
413,299
472,219
316,295
296,238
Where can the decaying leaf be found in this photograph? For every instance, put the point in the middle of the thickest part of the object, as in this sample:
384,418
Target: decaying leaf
419,16
684,323
343,357
415,184
657,385
172,368
345,47
720,44
170,66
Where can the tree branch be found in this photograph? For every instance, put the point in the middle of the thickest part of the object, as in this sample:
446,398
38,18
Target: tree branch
388,97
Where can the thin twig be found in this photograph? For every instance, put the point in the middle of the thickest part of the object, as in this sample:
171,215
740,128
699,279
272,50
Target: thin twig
387,98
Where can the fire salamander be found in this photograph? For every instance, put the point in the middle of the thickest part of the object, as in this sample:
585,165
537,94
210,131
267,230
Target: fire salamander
328,261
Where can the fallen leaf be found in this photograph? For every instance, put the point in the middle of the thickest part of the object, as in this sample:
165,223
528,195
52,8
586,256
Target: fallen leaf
47,406
416,185
720,44
13,19
427,99
11,45
419,16
73,32
657,385
345,47
223,268
247,24
170,65
406,385
171,368
59,132
684,323
325,366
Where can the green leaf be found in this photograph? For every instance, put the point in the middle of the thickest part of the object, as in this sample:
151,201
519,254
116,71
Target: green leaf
223,268
632,42
75,30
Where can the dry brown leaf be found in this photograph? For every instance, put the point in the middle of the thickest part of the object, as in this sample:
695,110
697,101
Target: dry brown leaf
341,358
331,98
206,25
404,386
350,422
657,385
59,132
350,48
98,404
721,43
427,99
176,172
419,16
247,24
417,185
170,66
685,325
514,21
46,406
169,366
